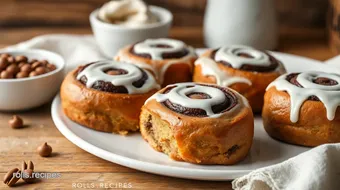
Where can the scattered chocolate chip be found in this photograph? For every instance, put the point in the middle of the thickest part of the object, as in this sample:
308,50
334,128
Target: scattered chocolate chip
10,178
45,150
27,172
27,176
16,122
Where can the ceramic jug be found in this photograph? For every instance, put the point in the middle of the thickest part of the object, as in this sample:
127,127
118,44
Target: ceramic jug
246,22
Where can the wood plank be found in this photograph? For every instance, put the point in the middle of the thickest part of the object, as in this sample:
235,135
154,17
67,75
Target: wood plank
309,42
14,13
105,180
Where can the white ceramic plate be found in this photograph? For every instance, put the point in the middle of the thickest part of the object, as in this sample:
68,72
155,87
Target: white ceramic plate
132,151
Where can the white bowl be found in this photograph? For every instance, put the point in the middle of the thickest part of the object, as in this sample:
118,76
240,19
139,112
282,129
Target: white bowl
111,37
31,92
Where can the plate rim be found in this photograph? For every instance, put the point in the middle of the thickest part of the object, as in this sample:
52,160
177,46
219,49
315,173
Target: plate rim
149,167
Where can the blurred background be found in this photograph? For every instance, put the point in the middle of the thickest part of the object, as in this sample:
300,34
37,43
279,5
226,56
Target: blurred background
22,19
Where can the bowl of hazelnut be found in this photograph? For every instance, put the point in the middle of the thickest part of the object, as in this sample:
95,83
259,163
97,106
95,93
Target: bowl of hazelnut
29,78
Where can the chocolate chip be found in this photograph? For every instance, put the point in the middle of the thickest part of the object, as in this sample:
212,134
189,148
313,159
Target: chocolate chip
16,122
27,172
22,74
36,64
6,75
232,150
33,74
26,67
11,59
13,68
40,70
21,58
3,62
44,150
10,178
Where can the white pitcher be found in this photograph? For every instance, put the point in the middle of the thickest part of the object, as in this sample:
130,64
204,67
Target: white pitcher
246,22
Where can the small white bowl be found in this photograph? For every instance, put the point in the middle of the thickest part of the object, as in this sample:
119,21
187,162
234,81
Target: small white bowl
111,37
31,92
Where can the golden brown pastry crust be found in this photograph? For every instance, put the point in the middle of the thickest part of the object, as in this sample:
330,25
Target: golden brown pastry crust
179,72
225,140
312,129
254,93
102,111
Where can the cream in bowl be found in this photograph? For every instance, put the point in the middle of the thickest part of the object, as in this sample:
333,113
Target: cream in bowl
119,23
29,78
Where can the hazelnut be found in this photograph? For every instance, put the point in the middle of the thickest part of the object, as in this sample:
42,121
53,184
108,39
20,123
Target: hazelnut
6,75
33,61
33,74
44,62
16,122
5,55
21,58
10,59
44,150
13,68
3,62
51,67
40,70
26,67
36,64
21,64
22,74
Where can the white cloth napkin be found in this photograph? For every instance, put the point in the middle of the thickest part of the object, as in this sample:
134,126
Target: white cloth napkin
316,169
75,49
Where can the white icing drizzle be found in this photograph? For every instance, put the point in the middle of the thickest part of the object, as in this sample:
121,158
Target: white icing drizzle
149,47
210,68
230,54
156,54
96,72
178,95
328,95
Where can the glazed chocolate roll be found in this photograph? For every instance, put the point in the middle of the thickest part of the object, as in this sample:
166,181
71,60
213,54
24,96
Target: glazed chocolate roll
107,95
242,68
198,123
308,108
170,60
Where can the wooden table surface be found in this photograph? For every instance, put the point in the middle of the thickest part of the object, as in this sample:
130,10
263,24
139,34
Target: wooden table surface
80,168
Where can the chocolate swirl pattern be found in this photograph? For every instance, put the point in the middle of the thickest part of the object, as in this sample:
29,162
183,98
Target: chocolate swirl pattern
312,85
169,50
199,100
237,57
127,78
160,48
